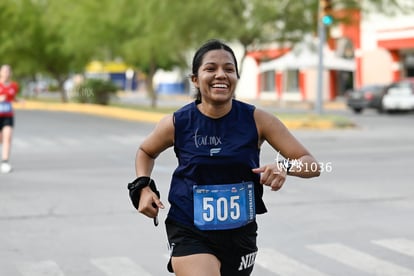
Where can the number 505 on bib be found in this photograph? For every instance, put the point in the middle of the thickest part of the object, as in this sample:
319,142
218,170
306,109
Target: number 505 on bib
223,206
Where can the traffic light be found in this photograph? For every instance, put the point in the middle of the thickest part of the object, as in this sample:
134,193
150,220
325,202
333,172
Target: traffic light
326,12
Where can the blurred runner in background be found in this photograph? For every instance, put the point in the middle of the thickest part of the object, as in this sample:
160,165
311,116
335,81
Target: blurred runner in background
8,92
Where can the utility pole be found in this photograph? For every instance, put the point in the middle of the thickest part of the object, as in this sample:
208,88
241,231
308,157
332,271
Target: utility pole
324,19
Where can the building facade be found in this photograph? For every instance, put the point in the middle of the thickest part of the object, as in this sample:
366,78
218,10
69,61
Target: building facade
371,49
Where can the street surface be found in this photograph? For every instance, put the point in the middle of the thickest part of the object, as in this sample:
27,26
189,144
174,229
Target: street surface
65,211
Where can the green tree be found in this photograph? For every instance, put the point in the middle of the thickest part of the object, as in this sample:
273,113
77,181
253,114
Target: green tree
61,37
20,26
163,33
32,40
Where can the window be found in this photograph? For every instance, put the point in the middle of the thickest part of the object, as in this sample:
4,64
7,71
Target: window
292,80
268,81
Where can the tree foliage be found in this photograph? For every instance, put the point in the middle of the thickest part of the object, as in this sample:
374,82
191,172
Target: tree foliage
59,37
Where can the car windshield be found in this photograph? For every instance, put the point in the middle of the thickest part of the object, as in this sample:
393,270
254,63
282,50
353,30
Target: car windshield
371,89
402,88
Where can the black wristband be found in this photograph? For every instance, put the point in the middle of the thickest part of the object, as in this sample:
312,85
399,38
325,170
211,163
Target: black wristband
137,185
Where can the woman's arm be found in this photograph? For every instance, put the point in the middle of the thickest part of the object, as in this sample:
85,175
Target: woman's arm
161,138
272,130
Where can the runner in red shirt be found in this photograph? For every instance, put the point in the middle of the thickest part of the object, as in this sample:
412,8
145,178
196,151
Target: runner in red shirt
8,92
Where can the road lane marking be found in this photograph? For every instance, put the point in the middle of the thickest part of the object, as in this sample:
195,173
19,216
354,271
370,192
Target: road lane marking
283,265
21,143
360,260
43,268
116,266
403,246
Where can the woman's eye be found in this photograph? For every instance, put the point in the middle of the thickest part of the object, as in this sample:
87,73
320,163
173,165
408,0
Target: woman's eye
213,69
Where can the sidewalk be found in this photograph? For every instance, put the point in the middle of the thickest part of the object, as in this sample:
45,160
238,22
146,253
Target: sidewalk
178,100
93,109
307,121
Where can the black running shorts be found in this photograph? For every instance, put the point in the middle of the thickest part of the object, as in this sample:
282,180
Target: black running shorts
6,121
236,249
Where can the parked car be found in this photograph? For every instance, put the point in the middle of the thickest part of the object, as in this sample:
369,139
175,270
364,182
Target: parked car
369,96
399,96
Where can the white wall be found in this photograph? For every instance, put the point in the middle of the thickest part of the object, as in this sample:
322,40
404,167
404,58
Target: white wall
376,62
376,67
247,85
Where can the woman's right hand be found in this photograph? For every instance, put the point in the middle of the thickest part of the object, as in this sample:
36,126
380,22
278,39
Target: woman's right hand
149,203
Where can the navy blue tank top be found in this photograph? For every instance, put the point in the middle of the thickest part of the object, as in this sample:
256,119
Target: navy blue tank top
213,151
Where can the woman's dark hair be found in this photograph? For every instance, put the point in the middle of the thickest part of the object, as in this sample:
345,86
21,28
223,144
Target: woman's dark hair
210,45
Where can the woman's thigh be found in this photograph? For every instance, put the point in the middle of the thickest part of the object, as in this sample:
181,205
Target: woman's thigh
196,264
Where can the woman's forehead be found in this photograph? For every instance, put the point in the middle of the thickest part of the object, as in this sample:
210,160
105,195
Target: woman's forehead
218,56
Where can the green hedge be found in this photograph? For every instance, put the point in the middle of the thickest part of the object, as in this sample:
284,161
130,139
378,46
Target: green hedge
95,91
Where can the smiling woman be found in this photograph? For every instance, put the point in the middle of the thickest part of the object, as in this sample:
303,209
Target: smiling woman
209,64
216,81
216,190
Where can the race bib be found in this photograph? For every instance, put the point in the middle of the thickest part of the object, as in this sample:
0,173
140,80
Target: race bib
5,107
226,206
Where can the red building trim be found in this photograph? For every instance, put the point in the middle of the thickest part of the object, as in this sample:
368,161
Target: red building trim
267,54
279,83
302,84
400,43
396,58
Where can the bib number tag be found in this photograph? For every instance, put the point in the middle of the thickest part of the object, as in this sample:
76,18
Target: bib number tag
226,206
5,107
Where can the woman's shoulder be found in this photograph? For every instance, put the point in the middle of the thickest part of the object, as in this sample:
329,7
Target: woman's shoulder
267,123
264,116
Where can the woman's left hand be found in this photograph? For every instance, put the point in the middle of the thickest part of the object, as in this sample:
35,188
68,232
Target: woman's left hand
272,175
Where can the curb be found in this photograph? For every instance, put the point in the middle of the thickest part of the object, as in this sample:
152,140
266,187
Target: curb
93,109
155,117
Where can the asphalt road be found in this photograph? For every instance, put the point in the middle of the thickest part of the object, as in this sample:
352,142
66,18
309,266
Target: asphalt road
65,210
